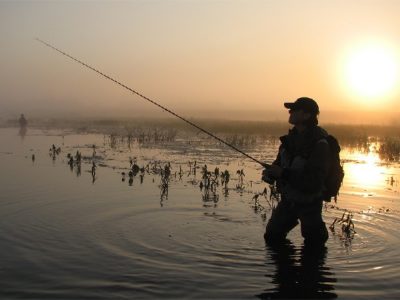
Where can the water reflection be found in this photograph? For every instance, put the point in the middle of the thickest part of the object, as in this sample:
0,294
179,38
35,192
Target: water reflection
23,126
365,170
22,132
300,273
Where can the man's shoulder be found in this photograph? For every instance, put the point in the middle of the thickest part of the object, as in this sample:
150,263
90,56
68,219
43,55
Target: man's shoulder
315,134
320,132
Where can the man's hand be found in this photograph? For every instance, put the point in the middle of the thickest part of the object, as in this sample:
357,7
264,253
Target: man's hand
272,173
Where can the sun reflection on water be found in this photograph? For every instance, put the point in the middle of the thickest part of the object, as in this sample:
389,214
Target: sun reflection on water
364,170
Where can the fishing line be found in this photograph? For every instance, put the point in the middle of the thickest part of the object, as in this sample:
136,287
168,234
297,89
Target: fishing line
153,102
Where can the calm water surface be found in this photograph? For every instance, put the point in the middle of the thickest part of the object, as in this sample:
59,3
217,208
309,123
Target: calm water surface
65,234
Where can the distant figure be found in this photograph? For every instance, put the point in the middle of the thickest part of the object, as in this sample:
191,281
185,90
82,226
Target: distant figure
23,124
299,172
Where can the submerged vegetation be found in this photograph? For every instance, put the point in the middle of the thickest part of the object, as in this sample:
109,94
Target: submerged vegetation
213,181
383,140
242,134
346,224
390,149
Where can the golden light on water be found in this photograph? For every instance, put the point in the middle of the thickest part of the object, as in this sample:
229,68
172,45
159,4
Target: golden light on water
366,170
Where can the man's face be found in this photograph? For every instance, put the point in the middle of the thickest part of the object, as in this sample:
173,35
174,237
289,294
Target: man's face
298,116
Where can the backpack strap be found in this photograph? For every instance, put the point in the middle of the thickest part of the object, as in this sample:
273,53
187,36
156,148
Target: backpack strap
323,140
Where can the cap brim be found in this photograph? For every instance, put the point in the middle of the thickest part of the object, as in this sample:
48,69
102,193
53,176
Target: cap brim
289,105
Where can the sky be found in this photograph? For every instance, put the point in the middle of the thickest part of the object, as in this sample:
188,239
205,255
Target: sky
201,58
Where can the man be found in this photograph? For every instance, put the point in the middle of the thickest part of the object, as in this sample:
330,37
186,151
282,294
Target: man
300,170
22,121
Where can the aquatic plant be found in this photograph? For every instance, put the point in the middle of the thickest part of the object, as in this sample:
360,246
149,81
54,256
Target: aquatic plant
135,169
346,223
274,196
54,151
78,157
390,149
256,205
240,185
142,172
77,163
208,185
165,179
241,140
225,176
113,141
272,199
94,168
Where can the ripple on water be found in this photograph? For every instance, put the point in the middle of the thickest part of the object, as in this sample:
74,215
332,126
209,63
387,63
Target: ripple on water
371,256
181,242
63,237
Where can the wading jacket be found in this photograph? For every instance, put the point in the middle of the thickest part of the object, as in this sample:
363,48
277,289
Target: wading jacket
304,157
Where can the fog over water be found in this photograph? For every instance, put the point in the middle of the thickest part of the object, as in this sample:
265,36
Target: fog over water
131,113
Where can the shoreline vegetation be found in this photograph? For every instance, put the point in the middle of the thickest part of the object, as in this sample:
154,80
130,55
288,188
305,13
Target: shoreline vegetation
212,124
239,133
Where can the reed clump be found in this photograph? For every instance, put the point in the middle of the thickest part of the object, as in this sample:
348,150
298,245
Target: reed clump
390,149
209,184
346,225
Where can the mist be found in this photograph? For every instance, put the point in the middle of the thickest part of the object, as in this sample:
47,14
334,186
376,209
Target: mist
132,112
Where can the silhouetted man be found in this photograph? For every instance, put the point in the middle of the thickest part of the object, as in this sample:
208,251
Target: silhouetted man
299,171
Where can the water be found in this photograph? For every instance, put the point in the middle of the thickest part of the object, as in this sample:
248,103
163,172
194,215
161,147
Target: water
65,234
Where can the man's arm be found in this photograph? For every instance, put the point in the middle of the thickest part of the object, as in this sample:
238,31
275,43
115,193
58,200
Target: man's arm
311,178
273,171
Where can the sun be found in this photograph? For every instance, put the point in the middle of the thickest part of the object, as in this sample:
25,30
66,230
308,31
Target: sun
372,71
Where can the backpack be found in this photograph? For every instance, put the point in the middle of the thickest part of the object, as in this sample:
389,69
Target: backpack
335,174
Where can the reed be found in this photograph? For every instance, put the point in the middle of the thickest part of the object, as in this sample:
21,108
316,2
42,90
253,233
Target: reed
390,149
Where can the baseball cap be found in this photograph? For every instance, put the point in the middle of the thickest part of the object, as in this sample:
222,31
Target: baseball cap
305,104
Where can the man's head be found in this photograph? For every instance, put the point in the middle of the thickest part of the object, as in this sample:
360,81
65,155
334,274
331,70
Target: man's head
304,111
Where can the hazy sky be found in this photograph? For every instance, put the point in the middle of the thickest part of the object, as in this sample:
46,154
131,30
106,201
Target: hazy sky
199,55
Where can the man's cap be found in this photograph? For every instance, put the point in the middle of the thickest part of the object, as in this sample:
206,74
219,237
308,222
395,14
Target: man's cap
305,104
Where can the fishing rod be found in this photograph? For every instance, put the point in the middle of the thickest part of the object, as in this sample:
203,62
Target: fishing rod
153,102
